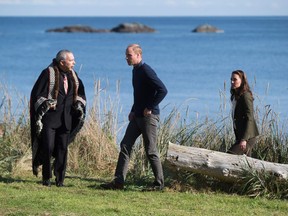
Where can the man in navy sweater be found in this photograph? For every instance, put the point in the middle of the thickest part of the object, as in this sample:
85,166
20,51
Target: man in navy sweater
149,91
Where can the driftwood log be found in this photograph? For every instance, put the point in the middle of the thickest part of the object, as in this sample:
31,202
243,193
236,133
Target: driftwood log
223,166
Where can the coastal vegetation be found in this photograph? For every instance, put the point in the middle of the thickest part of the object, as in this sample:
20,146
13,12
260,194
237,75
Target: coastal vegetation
93,156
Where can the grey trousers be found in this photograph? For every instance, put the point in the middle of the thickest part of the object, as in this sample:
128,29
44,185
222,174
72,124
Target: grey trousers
147,126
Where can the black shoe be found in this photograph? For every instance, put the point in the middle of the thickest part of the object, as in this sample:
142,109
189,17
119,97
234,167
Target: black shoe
158,188
155,187
59,184
112,186
46,183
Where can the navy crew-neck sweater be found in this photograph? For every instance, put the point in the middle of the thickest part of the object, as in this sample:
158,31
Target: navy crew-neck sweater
149,90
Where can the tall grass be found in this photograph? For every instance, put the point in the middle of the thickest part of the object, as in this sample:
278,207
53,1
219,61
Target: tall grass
15,131
261,183
95,149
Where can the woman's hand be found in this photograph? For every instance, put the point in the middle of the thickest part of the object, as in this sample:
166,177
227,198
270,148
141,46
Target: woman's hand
243,144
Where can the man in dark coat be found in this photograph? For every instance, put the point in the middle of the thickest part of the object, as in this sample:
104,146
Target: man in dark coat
57,113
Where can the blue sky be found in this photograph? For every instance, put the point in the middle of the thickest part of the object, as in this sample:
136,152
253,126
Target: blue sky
143,7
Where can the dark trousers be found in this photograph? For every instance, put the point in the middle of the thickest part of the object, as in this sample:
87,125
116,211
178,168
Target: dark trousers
147,126
55,143
235,148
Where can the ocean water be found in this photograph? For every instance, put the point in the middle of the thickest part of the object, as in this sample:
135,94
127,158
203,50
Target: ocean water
194,67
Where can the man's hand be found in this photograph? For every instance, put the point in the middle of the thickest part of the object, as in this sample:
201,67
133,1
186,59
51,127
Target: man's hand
147,112
79,110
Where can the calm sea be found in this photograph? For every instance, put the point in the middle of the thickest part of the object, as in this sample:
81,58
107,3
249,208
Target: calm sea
194,67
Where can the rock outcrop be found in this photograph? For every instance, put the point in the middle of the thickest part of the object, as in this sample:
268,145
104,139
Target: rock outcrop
132,28
207,29
121,28
77,28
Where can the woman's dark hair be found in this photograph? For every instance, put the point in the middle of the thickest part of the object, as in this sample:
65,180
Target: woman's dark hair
244,87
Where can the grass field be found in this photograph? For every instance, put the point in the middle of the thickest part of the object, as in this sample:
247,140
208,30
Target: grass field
83,196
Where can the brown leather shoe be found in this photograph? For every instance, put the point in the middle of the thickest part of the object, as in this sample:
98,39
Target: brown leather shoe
112,186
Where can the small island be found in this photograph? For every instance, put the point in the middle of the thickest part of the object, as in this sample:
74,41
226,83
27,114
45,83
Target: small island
121,28
77,28
206,28
132,28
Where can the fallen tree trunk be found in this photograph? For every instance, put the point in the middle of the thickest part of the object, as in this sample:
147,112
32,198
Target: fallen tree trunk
223,166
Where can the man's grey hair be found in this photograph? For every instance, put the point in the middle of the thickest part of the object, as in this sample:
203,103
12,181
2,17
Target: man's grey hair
61,55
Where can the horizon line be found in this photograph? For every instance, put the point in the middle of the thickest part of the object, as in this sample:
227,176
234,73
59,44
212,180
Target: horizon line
143,15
